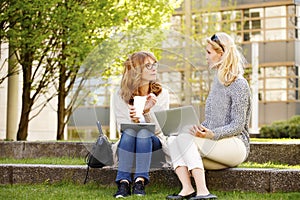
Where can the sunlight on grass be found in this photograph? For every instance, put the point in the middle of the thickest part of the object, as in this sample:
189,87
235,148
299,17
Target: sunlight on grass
44,160
80,161
268,165
283,140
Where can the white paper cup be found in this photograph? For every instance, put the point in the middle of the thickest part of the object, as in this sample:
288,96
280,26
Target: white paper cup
139,104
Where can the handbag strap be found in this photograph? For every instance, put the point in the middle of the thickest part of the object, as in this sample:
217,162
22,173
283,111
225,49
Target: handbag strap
86,175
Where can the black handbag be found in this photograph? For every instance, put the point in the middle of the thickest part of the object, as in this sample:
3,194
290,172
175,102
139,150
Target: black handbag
101,153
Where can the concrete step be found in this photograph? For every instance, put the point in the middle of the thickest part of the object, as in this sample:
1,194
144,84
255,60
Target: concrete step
261,152
233,179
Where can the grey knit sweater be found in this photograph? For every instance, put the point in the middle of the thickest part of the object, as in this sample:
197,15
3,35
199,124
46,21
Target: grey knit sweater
228,110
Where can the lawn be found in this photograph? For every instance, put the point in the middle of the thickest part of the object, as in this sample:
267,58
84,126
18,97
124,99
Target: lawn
93,191
281,140
80,161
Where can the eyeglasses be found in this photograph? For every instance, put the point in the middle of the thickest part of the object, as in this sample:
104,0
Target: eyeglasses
216,40
150,66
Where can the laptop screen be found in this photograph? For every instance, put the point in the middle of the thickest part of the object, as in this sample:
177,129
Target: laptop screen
173,121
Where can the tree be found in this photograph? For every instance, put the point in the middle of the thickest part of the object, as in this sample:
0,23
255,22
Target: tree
97,22
52,38
25,25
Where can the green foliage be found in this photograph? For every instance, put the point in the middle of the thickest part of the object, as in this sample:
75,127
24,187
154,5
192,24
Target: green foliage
282,129
52,40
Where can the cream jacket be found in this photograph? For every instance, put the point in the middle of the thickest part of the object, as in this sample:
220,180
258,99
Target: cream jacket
121,112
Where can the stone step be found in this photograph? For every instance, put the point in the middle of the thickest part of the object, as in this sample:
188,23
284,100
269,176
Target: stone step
261,152
233,179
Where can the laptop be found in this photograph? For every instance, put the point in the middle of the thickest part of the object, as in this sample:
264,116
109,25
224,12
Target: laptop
173,121
138,126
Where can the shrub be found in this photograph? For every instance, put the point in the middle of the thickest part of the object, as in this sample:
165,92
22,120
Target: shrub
282,129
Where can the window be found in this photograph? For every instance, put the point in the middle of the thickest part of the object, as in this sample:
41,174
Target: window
279,83
297,21
252,24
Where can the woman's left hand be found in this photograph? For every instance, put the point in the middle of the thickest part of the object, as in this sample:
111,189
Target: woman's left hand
202,132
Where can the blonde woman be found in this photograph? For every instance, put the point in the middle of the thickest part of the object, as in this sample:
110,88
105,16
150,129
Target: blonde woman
222,139
134,149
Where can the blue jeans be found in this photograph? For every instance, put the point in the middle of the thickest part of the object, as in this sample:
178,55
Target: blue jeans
138,147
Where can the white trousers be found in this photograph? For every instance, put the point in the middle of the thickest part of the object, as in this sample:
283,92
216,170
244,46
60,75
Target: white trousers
194,152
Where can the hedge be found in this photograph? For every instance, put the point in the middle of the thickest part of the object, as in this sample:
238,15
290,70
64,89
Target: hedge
282,129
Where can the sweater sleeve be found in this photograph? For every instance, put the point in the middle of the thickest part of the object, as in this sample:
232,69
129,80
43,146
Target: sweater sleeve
163,101
121,110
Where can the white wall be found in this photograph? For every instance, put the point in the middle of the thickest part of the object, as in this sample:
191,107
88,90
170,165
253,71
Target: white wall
42,127
3,90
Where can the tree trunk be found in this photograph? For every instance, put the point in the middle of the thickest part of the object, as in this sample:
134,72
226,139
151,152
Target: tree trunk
61,105
26,104
61,111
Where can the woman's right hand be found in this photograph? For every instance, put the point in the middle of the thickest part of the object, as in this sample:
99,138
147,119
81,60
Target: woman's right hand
201,131
132,114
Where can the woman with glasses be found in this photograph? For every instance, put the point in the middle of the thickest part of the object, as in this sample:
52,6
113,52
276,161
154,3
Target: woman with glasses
134,149
222,139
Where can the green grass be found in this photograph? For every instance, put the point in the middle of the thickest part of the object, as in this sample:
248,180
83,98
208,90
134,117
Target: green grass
93,191
80,161
44,160
287,140
268,165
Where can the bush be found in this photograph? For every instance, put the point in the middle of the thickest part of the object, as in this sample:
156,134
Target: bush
282,129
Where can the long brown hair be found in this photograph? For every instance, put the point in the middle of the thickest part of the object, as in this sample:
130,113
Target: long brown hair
132,76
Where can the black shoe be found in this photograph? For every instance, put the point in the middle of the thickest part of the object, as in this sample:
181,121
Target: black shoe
209,196
138,188
177,196
123,190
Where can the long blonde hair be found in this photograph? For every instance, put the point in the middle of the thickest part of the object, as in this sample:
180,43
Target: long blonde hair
132,76
232,62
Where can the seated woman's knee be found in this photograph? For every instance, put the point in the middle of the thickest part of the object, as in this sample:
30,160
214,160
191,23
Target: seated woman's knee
144,133
128,136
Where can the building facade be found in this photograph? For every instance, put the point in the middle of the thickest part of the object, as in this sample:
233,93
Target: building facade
274,25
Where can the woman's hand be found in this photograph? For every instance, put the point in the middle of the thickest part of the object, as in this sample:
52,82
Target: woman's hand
150,102
202,132
132,114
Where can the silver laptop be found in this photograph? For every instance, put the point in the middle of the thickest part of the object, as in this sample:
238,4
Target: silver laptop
174,120
138,126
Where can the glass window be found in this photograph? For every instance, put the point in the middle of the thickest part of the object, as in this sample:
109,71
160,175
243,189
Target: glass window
275,71
276,83
236,21
275,11
276,95
279,83
275,34
177,22
196,24
298,16
275,23
253,24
